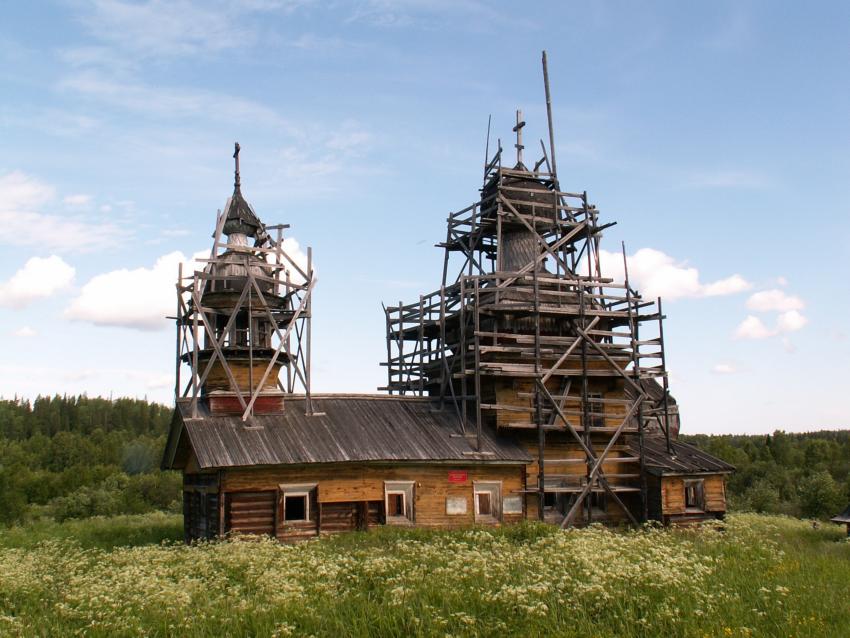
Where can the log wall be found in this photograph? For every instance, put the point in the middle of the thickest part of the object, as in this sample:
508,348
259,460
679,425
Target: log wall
672,490
352,496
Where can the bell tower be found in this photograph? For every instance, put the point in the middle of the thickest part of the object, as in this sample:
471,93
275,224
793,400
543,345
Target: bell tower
243,320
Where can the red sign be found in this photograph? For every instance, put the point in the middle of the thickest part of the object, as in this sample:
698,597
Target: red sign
458,476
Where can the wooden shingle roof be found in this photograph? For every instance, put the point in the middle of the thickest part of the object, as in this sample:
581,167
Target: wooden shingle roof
353,428
685,458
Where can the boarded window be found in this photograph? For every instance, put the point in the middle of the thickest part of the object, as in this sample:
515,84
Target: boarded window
512,505
455,505
695,494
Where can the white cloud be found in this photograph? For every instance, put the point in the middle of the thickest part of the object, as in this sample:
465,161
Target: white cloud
774,300
25,331
729,286
39,278
77,200
21,197
160,101
161,27
167,28
790,321
753,328
19,191
139,298
656,274
724,368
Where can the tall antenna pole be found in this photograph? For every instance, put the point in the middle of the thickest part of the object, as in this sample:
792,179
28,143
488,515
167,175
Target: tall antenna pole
549,116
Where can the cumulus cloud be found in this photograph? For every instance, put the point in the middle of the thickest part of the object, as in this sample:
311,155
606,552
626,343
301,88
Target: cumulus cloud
21,200
790,321
774,300
754,328
25,331
656,274
40,277
139,298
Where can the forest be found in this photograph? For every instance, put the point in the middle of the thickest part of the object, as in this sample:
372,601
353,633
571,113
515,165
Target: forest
67,457
73,457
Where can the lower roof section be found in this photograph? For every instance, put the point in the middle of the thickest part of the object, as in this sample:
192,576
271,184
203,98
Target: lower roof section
343,428
682,458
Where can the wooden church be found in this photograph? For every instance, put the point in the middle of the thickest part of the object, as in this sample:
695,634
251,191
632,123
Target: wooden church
527,386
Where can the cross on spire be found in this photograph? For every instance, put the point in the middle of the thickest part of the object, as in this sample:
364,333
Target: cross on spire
518,130
236,157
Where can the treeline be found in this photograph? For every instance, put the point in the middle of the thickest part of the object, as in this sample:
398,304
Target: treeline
804,474
74,457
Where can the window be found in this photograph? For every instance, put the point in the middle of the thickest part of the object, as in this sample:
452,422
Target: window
297,504
398,502
395,504
596,410
550,499
695,495
488,500
296,507
483,504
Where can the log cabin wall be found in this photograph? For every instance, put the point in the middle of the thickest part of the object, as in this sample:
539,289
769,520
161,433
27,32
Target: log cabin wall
673,498
352,496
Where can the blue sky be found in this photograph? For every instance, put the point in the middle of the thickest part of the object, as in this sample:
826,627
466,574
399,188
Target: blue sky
717,135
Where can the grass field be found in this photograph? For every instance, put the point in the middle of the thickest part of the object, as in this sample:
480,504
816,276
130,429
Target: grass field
759,576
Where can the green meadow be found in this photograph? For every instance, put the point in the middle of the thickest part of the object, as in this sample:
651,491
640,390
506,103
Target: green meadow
754,575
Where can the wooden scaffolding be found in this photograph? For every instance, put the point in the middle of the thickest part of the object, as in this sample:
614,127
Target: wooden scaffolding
245,316
529,327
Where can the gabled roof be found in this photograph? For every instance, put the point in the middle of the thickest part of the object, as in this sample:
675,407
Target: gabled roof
685,459
344,428
844,517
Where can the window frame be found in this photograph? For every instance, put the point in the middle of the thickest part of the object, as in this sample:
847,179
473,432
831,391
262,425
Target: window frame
698,483
311,510
494,489
407,490
306,497
403,495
